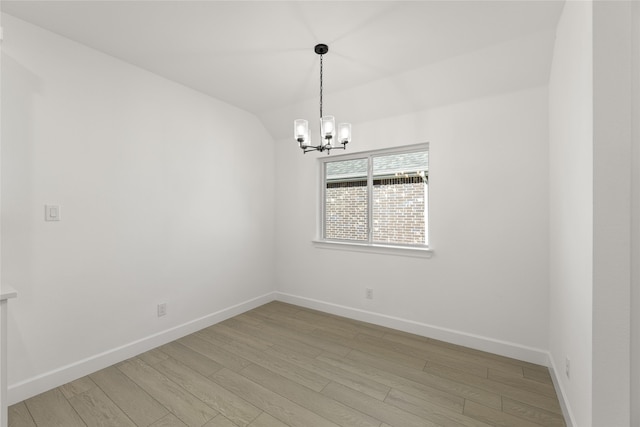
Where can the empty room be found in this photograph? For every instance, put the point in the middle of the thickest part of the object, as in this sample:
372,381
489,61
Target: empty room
319,213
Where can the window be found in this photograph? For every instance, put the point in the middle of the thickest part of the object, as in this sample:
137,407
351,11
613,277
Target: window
376,198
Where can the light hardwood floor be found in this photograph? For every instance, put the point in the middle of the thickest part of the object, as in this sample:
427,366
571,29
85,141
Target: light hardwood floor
282,365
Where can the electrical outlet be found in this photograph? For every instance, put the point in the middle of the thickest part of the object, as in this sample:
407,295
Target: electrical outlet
369,293
52,212
162,309
567,367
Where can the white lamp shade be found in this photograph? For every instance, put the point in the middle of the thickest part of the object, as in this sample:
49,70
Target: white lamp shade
344,133
327,128
301,132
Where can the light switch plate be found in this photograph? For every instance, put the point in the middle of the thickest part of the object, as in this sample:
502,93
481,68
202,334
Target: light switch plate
52,212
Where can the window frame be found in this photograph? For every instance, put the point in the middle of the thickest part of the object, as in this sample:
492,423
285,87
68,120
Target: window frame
413,250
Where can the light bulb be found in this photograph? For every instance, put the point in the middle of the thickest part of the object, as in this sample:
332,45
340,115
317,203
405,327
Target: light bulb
301,132
344,133
327,127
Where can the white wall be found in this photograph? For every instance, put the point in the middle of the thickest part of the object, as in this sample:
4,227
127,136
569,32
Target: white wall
571,207
612,131
591,127
635,224
167,195
487,283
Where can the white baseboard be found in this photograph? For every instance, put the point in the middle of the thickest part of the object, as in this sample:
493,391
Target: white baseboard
49,380
560,391
503,348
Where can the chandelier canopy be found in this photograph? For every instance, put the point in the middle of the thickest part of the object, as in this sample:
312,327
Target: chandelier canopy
330,136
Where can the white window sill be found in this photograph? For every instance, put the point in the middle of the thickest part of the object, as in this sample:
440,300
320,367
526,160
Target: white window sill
409,251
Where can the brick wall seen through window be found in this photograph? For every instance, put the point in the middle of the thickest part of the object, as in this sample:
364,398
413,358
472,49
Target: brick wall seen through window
398,187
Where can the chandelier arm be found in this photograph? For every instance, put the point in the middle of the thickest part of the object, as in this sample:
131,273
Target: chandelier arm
321,149
308,149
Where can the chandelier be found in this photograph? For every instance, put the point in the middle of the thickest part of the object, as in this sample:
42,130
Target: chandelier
330,137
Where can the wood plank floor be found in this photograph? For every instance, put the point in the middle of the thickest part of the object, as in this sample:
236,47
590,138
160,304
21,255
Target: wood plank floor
282,365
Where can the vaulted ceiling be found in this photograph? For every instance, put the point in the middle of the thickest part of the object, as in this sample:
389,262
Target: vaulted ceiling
385,57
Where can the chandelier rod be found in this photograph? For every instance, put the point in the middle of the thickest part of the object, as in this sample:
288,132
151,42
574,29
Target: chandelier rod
321,85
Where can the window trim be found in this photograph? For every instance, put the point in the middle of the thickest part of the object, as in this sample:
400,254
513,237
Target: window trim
410,251
421,251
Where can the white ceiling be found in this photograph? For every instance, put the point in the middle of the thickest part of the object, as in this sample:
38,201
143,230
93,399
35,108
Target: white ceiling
385,57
